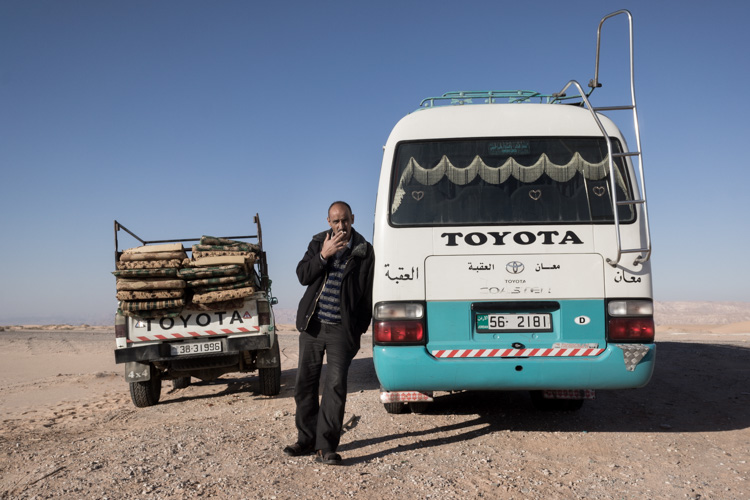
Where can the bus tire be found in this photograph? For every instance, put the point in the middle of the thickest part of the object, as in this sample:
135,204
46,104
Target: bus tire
144,394
419,407
394,408
543,404
181,383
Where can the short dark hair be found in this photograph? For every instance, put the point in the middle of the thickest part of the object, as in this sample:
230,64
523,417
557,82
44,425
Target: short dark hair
341,203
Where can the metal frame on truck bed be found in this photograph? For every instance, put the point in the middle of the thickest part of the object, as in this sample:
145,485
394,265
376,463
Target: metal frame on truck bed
199,342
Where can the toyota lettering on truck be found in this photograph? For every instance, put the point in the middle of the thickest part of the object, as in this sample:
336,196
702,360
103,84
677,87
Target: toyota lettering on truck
513,247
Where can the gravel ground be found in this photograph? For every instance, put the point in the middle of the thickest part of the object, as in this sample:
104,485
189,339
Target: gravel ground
75,434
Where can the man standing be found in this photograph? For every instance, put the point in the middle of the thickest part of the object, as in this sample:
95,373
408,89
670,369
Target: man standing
334,312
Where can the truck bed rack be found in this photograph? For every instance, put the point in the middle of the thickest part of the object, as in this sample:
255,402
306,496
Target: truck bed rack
261,257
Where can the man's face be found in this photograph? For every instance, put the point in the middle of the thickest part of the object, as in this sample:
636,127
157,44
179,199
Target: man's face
341,220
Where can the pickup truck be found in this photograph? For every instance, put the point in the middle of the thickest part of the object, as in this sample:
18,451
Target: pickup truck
193,338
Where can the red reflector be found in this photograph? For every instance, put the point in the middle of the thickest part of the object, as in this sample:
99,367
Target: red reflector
399,331
631,329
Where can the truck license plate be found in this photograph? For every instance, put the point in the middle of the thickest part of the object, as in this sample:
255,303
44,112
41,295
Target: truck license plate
195,348
519,322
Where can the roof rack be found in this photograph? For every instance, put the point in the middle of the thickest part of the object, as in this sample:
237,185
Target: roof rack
495,97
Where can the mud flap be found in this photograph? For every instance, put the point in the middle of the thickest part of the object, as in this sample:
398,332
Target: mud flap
633,354
137,372
569,394
269,358
405,396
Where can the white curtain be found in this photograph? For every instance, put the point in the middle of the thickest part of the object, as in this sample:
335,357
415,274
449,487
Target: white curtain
498,175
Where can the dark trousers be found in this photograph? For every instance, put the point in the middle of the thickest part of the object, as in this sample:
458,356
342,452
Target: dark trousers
320,424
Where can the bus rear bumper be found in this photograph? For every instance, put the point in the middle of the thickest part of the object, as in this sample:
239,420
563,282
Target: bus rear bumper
413,368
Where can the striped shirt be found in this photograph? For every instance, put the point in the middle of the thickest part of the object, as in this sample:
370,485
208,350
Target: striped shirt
329,302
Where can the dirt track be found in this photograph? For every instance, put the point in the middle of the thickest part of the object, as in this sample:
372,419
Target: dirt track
69,430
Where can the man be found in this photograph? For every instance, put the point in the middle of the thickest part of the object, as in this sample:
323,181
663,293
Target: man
334,312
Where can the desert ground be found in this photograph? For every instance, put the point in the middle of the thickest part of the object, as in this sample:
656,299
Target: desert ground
69,430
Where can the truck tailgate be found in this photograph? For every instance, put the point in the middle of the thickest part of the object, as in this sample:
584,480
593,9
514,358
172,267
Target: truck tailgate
193,323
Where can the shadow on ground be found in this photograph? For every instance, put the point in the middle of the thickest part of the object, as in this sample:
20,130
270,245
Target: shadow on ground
695,388
361,378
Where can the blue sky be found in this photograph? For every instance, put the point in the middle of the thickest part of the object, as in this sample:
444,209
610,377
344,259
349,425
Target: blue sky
183,118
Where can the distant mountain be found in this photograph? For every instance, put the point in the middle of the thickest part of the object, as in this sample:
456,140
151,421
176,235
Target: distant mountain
666,313
100,319
285,316
701,313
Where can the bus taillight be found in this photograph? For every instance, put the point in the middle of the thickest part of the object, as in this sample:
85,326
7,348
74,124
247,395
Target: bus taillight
631,330
392,332
630,321
399,323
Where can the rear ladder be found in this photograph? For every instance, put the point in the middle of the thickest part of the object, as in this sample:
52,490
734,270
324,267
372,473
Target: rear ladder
644,253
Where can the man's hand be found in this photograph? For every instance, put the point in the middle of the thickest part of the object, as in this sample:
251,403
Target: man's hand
333,245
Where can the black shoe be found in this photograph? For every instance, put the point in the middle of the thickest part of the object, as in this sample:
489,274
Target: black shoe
297,450
328,457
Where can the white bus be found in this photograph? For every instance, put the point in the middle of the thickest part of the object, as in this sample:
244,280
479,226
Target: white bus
512,245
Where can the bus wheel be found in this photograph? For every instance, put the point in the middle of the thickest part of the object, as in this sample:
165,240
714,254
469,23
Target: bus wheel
543,404
394,408
181,383
419,407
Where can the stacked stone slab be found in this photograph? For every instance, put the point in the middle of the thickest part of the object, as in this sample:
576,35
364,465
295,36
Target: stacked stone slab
148,284
220,275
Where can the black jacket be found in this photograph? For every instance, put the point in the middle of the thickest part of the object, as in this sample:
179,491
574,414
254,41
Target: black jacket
356,286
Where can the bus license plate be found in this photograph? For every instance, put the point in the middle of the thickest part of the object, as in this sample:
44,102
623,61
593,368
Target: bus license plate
519,322
195,348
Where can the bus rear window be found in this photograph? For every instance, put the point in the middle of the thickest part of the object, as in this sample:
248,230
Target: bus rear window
508,181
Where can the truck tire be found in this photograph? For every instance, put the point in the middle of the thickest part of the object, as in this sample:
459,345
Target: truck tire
270,378
181,383
270,381
146,393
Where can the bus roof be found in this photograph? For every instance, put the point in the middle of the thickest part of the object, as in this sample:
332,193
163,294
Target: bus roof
499,120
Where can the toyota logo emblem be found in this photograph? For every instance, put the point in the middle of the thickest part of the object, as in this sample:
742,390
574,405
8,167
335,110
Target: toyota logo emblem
514,267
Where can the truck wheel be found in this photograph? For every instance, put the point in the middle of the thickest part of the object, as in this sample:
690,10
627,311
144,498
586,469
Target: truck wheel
270,380
146,393
394,408
181,383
